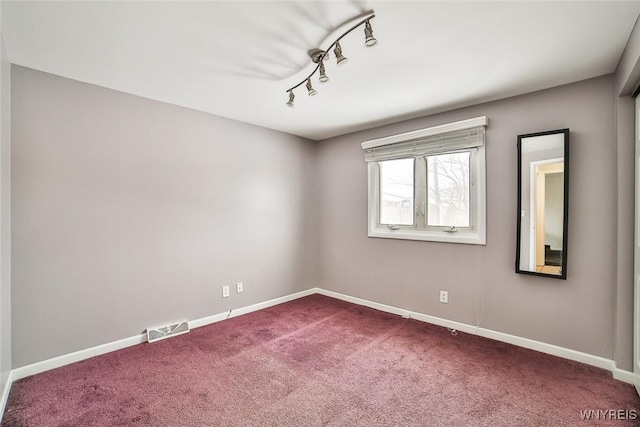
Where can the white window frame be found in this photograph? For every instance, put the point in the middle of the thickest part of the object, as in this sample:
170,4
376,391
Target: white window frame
418,145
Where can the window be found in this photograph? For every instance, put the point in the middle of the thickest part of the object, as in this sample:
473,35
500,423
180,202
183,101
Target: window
397,192
429,184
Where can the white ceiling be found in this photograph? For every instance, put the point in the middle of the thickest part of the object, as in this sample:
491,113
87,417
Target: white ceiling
236,59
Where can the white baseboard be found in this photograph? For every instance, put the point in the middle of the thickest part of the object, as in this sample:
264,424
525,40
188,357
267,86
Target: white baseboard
77,356
66,359
5,393
625,376
551,349
554,350
249,309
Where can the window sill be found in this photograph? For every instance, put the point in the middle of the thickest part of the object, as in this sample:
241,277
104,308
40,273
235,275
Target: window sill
470,238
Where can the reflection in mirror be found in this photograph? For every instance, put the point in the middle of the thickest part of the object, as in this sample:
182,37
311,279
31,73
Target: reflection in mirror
543,182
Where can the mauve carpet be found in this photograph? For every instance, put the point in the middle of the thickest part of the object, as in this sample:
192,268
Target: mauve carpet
317,361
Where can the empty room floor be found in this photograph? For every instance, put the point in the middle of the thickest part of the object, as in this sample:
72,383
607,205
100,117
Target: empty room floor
318,361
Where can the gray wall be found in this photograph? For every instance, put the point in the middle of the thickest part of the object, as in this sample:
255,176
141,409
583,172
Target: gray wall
627,78
130,213
627,75
578,313
625,126
5,217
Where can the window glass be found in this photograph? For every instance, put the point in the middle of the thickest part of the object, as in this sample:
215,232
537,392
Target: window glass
397,192
448,179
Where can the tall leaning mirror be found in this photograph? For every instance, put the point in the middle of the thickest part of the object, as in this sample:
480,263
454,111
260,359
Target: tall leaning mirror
543,184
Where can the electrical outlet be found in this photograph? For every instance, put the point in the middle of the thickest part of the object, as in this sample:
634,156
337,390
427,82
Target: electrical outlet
239,287
444,297
225,291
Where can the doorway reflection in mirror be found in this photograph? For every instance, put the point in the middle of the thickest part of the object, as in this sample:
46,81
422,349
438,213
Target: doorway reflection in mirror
542,203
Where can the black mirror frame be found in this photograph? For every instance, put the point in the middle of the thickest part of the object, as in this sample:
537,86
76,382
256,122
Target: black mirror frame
565,224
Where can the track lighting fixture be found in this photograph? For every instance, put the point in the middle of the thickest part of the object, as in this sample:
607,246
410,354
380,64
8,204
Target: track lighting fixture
311,90
337,51
369,40
318,56
323,76
291,96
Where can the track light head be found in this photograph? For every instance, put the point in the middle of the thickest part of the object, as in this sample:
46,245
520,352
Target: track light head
323,76
311,90
337,51
369,40
291,96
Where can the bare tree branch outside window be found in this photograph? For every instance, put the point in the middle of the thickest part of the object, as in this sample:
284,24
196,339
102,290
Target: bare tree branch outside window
448,181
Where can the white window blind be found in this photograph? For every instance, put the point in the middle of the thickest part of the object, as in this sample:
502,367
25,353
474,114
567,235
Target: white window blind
449,137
